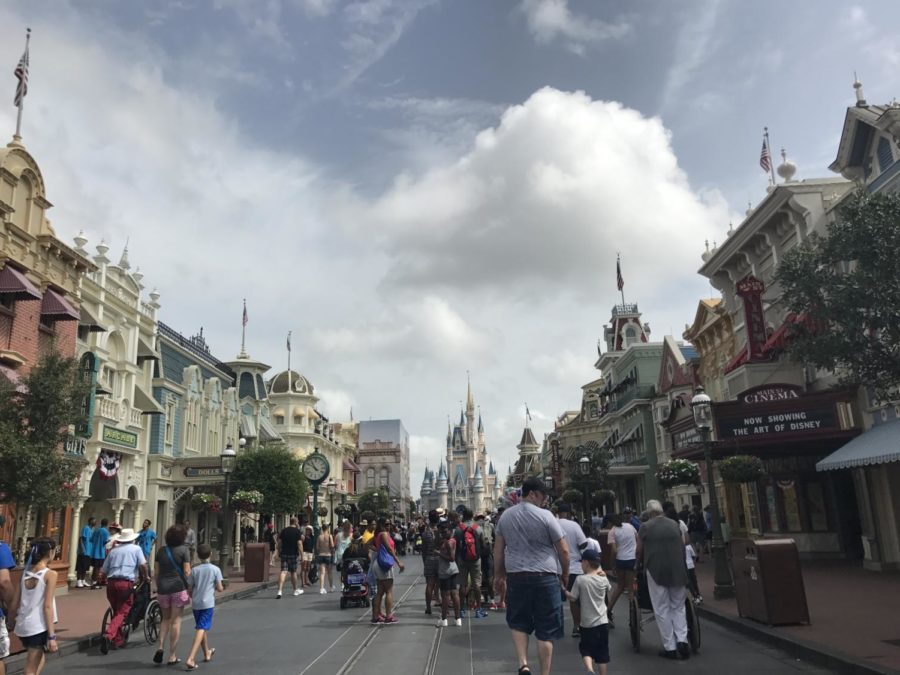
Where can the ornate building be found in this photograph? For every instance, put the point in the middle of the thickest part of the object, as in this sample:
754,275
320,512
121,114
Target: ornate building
471,479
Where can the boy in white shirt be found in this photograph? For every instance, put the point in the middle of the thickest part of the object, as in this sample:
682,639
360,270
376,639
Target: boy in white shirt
206,579
590,591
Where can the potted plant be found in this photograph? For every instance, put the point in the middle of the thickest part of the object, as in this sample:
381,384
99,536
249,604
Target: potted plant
205,501
678,472
741,469
247,501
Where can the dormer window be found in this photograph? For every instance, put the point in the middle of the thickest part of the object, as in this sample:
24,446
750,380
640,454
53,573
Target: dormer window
630,335
885,154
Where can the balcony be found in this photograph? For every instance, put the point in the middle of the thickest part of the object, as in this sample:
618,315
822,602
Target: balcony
136,419
623,398
108,408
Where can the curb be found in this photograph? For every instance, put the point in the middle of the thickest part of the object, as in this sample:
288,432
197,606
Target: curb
811,652
15,664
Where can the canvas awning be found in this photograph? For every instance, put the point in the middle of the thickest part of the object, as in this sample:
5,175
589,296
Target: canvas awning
627,437
15,283
145,352
146,403
350,465
55,307
268,432
88,320
248,426
878,445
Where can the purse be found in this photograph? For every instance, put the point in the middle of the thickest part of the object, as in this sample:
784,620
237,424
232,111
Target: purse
384,558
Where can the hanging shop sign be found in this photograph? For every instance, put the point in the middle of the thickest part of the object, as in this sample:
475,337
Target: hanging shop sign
202,471
108,464
750,289
119,437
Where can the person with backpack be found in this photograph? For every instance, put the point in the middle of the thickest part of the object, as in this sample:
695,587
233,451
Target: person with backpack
487,559
469,551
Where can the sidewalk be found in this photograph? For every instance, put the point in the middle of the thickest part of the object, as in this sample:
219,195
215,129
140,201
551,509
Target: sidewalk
852,614
81,611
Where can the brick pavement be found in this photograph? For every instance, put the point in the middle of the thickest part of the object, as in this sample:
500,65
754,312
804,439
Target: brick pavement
852,611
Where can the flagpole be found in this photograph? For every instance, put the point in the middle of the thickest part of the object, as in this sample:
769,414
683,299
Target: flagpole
618,277
289,360
771,158
18,134
244,330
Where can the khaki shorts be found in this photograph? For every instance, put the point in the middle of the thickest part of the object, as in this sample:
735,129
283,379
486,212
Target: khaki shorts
307,557
4,639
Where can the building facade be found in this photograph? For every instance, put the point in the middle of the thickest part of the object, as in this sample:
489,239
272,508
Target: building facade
383,460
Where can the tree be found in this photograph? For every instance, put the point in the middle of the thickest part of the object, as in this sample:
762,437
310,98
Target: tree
34,422
845,290
375,500
274,471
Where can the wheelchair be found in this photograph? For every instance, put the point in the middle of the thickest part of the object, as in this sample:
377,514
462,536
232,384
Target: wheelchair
640,613
144,609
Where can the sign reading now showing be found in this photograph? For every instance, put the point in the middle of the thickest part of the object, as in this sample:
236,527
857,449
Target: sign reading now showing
813,419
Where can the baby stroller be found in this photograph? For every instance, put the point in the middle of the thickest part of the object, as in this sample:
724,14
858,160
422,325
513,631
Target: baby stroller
354,582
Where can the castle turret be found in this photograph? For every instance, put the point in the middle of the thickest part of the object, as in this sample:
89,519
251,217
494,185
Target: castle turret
478,483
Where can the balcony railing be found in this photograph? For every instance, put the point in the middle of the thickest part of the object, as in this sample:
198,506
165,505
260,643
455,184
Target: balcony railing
623,398
136,418
108,408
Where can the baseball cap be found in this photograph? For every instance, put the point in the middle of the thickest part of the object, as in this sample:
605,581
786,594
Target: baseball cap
563,507
590,554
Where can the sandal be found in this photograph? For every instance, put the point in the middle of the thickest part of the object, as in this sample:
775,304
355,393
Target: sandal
158,656
193,666
211,653
525,670
172,663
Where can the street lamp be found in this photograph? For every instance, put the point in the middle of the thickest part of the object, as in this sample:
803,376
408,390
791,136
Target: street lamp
330,486
548,481
584,470
701,406
226,459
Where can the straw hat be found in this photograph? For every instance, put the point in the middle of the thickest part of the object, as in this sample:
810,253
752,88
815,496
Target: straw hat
126,536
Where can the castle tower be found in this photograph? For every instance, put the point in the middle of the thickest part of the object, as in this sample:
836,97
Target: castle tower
441,488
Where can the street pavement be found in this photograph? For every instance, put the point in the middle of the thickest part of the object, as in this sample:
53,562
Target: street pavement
311,635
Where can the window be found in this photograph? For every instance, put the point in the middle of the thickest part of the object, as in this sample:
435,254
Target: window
630,335
885,156
385,476
7,302
370,478
279,419
170,423
298,420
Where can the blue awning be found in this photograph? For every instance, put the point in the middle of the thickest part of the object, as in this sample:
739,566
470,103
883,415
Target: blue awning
878,445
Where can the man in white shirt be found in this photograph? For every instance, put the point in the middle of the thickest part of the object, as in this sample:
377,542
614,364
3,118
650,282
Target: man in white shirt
576,542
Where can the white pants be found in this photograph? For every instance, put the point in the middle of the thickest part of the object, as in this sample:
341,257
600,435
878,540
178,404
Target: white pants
668,606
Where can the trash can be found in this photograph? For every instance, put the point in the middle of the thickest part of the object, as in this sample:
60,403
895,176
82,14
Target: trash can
256,562
768,581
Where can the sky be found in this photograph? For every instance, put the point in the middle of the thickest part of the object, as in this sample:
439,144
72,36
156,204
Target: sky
421,189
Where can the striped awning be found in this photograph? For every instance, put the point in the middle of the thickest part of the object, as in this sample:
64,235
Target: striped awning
878,445
15,283
90,322
56,308
350,465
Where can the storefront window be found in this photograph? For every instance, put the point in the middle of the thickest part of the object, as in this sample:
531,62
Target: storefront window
818,516
751,506
774,524
788,490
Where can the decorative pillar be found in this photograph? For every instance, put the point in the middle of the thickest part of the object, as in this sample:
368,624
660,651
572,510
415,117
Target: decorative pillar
74,537
117,503
138,505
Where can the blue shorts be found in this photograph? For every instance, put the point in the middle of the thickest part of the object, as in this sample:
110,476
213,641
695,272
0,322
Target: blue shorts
203,618
625,564
534,605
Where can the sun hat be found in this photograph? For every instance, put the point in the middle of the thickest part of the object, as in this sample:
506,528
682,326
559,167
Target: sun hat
126,535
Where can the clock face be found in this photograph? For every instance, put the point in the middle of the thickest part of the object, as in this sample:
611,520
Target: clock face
315,467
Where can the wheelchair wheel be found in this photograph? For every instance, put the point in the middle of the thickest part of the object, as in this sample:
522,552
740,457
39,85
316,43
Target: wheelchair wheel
693,624
634,622
152,622
107,617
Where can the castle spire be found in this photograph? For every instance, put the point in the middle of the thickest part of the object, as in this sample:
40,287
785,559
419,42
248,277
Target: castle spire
470,400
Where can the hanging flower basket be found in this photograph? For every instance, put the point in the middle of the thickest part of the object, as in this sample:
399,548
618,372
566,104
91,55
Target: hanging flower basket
741,469
322,512
573,496
247,501
678,472
602,497
204,501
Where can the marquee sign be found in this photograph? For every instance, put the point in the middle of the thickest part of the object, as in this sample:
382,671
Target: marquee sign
769,393
119,437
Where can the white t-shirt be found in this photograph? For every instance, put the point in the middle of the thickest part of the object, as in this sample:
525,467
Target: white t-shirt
590,591
575,539
689,556
625,539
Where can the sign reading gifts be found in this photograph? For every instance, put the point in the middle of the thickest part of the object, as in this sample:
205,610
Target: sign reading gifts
119,437
757,416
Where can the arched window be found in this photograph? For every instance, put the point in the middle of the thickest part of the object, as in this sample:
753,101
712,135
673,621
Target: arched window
370,477
385,476
630,335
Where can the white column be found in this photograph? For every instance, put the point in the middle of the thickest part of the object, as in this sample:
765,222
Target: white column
138,506
74,537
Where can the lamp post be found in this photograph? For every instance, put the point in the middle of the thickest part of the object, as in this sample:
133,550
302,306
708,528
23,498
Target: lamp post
701,406
330,486
548,481
226,459
584,470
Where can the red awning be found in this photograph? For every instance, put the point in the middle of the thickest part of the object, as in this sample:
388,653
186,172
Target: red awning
350,465
15,283
57,308
742,357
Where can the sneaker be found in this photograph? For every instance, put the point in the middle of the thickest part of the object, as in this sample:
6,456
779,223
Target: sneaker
391,619
459,622
322,591
376,619
684,651
278,595
462,613
428,610
441,623
79,584
298,591
493,606
332,588
480,613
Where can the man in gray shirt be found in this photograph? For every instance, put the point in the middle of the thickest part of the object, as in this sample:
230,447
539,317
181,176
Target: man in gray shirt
661,547
529,551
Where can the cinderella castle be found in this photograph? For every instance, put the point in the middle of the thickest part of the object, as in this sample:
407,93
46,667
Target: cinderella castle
467,476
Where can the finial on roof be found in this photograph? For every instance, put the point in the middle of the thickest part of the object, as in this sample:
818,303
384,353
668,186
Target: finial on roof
80,240
102,248
705,255
749,208
786,169
137,276
123,261
730,229
860,96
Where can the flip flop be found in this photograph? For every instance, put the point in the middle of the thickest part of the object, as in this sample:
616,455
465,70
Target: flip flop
193,667
173,663
212,652
158,656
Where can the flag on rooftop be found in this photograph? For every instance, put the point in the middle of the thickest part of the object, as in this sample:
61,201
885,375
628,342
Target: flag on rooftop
21,73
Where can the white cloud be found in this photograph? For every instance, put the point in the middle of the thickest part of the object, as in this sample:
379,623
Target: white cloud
564,367
549,20
542,202
694,46
336,404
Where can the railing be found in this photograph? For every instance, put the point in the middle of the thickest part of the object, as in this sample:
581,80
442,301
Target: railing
627,454
623,398
108,408
136,419
628,308
147,310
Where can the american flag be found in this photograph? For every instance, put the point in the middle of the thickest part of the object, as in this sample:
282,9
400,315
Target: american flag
765,159
21,72
244,319
620,282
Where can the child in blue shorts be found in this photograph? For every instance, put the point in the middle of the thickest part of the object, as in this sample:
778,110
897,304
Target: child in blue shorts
205,580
